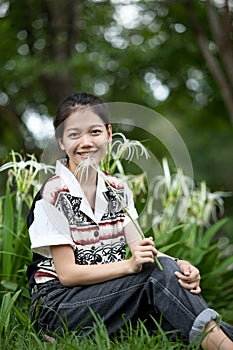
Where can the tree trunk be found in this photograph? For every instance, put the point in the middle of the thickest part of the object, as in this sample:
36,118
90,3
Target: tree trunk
222,76
62,35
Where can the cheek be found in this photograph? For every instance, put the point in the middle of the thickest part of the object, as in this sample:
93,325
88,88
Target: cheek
69,145
104,145
104,150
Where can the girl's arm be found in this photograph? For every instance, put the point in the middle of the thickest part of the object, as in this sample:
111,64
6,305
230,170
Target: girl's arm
71,274
143,251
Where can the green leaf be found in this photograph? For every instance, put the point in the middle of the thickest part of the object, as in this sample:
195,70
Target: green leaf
7,237
22,317
223,266
5,311
12,286
212,231
168,247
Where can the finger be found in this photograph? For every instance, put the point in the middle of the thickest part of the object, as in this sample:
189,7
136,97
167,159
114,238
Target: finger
185,268
144,254
196,290
188,279
147,248
185,277
147,254
189,286
143,260
194,276
180,275
147,241
153,244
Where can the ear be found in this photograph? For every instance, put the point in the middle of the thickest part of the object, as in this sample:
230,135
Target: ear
109,133
60,142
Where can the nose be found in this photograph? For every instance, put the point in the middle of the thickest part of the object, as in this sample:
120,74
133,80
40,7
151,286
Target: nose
85,140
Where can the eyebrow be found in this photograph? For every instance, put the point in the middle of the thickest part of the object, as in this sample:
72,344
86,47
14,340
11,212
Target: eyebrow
90,127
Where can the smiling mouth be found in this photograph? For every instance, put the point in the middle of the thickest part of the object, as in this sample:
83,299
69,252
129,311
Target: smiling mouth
87,154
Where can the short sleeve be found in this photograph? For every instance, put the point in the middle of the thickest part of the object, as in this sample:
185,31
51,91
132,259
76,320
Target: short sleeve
49,227
129,205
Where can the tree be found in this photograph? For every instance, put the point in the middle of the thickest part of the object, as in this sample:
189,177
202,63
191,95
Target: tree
143,52
217,51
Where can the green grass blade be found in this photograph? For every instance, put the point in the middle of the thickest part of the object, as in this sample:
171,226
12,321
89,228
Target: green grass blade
7,237
5,310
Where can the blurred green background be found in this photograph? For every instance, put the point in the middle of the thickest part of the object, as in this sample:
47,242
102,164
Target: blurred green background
175,57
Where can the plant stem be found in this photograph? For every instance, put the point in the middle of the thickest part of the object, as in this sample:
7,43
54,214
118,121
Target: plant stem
135,223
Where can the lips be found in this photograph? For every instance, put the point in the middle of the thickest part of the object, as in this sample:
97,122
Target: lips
86,154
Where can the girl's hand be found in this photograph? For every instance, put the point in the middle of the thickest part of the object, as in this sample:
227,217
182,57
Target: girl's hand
143,252
190,276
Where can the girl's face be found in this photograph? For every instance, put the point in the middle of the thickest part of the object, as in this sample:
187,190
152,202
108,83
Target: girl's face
85,136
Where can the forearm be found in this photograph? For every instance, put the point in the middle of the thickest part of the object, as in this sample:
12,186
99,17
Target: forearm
74,274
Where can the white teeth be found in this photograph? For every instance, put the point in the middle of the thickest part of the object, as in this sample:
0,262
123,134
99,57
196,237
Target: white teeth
86,153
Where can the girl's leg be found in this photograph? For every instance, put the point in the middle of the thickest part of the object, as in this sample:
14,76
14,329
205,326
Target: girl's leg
215,338
187,312
157,292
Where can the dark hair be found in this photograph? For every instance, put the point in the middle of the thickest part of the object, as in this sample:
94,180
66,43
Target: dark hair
72,102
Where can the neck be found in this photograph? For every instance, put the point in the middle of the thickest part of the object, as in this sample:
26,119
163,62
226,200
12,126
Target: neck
87,177
88,182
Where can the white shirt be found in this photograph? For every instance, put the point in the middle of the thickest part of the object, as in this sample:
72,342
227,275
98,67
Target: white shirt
63,216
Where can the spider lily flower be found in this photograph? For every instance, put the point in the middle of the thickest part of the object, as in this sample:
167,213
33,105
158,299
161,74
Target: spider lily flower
136,183
169,185
172,191
183,203
206,207
128,148
124,148
83,168
25,171
21,164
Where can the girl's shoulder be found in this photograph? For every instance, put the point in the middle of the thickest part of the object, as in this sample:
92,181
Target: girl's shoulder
52,188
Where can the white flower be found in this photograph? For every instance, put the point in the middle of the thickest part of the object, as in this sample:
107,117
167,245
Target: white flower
182,202
175,185
31,164
24,172
125,148
83,168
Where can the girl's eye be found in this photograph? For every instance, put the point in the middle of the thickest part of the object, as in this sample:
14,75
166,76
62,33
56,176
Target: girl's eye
73,135
96,131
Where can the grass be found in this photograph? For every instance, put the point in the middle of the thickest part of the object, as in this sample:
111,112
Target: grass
136,339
